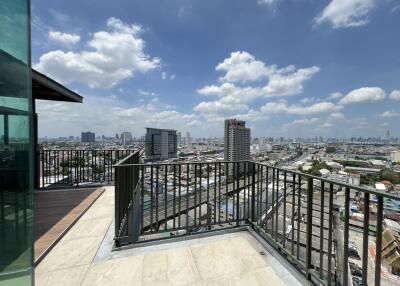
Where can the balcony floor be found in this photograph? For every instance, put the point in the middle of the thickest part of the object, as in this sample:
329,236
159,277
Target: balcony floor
84,257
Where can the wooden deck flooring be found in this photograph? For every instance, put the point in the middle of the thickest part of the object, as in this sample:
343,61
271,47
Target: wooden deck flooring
55,213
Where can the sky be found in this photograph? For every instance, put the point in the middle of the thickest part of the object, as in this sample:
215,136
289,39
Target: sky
292,68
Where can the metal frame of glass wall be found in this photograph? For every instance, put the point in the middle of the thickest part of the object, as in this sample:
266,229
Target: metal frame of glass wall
16,145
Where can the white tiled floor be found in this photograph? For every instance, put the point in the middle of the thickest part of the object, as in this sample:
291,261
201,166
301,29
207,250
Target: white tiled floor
231,259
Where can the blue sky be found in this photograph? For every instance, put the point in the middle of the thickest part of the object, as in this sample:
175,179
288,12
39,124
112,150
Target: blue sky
288,67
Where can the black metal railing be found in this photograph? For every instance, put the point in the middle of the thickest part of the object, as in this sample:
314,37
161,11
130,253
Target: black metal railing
306,218
60,168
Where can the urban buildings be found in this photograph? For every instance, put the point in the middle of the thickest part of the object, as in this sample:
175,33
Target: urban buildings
188,139
236,141
88,137
126,138
160,144
395,156
179,138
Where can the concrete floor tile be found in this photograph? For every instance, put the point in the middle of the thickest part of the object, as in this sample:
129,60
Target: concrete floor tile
65,277
121,271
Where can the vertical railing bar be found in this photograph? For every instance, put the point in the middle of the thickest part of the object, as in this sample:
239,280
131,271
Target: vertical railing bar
174,198
284,210
151,196
157,224
277,205
298,218
187,195
272,205
195,195
219,193
309,227
378,247
165,197
208,193
267,199
179,195
293,209
215,193
200,193
365,240
330,230
321,233
346,237
142,204
226,191
237,193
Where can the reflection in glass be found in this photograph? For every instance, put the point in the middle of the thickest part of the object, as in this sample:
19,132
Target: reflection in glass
16,257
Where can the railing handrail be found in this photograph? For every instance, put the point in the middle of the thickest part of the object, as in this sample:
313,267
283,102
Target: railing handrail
337,183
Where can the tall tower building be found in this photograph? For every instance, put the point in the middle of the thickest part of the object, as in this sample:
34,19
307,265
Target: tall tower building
179,138
126,138
236,141
160,144
88,137
188,139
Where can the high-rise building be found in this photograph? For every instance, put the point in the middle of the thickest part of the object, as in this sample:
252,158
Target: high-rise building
88,137
188,139
126,138
236,141
179,138
160,144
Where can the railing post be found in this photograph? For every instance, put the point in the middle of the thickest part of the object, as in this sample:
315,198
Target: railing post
253,190
309,227
378,247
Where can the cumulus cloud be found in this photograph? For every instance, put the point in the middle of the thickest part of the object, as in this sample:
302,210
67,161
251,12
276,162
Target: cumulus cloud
64,38
219,107
115,55
395,95
246,79
301,122
389,113
346,13
266,2
90,116
242,67
364,94
335,95
282,107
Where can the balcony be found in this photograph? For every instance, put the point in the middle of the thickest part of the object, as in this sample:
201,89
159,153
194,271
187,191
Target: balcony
222,223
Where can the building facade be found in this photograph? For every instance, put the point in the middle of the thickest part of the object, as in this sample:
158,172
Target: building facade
126,138
236,141
160,144
88,137
16,144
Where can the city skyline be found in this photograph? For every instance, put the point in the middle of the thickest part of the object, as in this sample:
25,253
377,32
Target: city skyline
318,74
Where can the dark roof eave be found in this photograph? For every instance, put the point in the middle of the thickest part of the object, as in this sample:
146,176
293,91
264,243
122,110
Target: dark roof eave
46,88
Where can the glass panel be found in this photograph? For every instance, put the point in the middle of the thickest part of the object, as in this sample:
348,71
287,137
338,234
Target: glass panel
16,245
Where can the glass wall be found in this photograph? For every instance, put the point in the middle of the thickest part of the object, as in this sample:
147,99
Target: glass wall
16,244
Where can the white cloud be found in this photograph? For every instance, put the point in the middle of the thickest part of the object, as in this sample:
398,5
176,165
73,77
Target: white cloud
336,116
91,116
219,107
317,108
335,95
364,94
242,67
146,93
267,2
115,55
289,81
301,122
64,38
395,95
164,75
282,107
389,113
346,13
